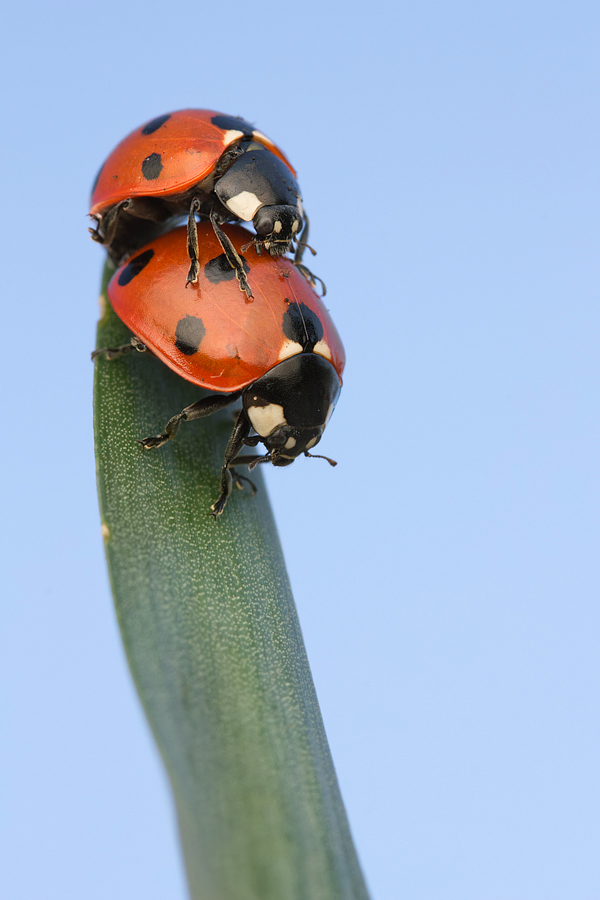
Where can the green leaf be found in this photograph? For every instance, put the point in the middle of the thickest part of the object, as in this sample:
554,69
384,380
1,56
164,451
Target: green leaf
215,648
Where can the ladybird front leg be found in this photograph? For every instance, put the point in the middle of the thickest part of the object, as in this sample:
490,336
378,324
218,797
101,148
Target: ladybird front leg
302,241
232,255
116,352
95,229
106,225
300,248
311,277
198,410
192,242
240,432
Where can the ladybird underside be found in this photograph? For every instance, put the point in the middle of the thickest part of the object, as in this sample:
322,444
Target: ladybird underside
127,228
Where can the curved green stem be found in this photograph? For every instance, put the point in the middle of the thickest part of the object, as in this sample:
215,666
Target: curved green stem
215,648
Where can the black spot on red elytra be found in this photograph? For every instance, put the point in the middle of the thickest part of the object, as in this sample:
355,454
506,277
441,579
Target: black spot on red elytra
232,123
302,325
135,266
218,269
152,166
188,334
155,124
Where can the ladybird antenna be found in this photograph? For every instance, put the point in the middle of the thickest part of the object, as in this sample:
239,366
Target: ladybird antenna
331,462
312,249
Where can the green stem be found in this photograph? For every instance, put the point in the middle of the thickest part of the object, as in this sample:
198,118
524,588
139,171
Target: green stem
215,648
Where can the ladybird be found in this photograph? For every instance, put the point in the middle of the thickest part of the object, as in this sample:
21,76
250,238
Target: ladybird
279,353
197,162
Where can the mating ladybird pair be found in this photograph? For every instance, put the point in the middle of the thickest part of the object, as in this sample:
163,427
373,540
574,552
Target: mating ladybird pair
246,326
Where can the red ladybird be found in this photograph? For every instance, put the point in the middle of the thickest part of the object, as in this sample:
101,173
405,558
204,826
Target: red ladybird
280,353
196,161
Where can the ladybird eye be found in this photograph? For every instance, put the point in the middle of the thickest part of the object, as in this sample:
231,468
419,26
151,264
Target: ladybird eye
263,225
277,439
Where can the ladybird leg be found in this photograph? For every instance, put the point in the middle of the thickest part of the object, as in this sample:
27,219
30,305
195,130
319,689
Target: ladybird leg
240,432
192,242
252,460
106,225
238,479
302,241
115,352
311,277
95,229
198,410
233,258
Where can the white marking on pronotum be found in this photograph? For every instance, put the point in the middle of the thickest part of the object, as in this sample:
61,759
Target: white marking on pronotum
290,348
295,226
322,349
300,207
259,136
277,227
328,416
310,444
244,205
266,419
291,442
232,135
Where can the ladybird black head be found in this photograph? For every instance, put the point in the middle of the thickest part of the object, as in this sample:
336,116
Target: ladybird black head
290,406
134,267
278,226
258,187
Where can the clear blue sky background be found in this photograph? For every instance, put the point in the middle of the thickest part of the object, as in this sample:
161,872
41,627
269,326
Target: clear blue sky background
446,573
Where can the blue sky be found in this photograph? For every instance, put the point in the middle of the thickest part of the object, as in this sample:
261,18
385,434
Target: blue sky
446,571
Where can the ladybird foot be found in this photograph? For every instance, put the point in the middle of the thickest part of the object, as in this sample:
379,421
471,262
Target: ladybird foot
192,276
218,507
244,283
238,481
152,443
